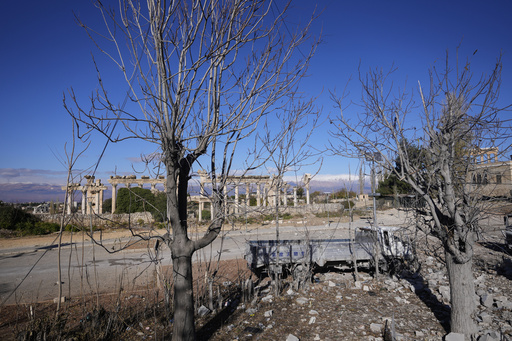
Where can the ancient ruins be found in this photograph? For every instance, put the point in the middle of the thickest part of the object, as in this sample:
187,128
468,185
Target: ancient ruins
267,190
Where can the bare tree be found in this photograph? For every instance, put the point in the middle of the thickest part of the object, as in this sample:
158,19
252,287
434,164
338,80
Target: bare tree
287,150
202,74
432,151
71,156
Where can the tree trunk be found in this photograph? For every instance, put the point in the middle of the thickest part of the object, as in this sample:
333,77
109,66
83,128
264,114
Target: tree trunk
462,295
183,328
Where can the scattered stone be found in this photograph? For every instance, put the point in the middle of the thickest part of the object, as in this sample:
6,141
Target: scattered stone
313,312
267,299
444,290
492,336
292,337
454,337
301,300
486,300
485,317
62,299
376,327
331,284
251,311
268,313
419,333
290,292
203,311
312,320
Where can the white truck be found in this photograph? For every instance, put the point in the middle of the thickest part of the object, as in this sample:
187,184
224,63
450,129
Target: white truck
292,256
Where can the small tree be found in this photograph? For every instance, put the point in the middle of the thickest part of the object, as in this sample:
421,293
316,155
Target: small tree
459,116
203,74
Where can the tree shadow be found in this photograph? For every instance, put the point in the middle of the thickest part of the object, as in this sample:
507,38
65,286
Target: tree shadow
498,247
207,330
505,268
440,310
221,318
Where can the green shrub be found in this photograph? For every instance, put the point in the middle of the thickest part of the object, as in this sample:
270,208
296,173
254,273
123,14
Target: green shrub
12,218
346,204
206,215
38,228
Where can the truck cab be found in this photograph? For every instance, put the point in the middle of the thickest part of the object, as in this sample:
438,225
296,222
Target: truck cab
391,242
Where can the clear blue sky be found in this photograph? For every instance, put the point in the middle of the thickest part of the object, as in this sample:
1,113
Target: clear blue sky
44,53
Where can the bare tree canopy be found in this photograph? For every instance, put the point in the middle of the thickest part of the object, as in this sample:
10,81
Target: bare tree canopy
430,139
202,75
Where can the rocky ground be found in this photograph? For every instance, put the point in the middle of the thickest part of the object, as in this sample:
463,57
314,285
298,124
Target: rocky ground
337,305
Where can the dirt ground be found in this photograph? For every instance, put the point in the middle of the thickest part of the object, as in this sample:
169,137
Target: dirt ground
335,306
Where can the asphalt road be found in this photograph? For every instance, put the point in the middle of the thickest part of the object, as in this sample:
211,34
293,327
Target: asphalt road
30,274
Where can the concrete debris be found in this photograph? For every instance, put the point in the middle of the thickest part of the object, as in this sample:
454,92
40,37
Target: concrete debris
376,327
203,311
454,337
267,299
302,300
292,337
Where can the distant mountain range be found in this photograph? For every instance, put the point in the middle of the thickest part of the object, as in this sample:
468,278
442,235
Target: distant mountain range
24,192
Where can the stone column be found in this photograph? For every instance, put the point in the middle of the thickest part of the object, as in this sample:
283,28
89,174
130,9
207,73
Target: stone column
68,202
285,195
114,197
97,202
201,208
307,194
247,194
258,194
294,196
100,210
265,194
236,198
84,201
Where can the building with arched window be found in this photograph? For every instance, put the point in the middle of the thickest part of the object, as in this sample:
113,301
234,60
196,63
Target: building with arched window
490,177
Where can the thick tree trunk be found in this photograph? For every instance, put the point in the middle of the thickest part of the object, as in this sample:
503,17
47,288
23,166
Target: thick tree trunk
462,295
183,328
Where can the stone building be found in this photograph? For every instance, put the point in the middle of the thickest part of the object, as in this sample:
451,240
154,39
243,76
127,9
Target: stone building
490,177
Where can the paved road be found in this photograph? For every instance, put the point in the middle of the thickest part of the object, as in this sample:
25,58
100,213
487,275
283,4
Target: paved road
29,274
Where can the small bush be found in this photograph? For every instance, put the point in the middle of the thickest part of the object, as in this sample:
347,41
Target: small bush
346,204
38,228
12,218
206,215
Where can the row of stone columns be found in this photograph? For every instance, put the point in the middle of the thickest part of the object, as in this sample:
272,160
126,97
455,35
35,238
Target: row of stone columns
272,188
92,192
